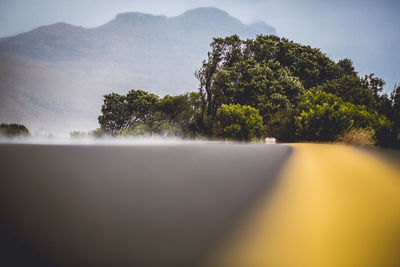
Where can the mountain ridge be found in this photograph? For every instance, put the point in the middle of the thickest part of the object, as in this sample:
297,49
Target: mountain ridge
133,50
63,36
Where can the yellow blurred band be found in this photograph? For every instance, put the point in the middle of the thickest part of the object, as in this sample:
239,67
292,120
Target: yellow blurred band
334,206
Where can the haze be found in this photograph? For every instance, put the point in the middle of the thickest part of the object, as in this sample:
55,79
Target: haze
365,31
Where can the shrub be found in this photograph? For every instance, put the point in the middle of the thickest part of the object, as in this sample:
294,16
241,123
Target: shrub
96,133
139,130
238,122
323,116
364,137
77,134
13,130
282,126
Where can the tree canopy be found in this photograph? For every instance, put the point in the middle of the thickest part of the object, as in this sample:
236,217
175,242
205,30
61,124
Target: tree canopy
139,112
323,116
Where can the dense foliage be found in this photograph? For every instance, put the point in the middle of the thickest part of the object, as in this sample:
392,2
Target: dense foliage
12,130
298,92
323,116
143,113
238,122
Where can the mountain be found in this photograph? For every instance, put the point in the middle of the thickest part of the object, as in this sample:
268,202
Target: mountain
43,99
134,50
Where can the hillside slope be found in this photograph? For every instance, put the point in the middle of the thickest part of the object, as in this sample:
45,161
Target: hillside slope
134,50
46,101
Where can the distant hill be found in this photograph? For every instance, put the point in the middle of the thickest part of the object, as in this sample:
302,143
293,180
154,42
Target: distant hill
134,50
42,99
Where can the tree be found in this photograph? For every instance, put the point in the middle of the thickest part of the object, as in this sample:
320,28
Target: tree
238,122
346,67
395,97
121,112
373,84
114,114
309,64
13,130
140,112
141,106
180,114
282,126
351,88
368,92
267,86
298,92
268,73
323,116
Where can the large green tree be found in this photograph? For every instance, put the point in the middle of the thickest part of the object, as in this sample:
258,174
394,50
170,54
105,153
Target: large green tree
267,86
269,73
309,64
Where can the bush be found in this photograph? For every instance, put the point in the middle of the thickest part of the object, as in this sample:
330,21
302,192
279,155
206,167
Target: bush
282,126
238,122
77,134
139,130
362,137
13,130
96,133
323,116
167,129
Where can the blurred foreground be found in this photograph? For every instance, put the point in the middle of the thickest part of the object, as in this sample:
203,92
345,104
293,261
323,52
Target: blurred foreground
198,204
154,204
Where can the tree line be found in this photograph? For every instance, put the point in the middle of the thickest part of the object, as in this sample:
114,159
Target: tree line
13,130
267,86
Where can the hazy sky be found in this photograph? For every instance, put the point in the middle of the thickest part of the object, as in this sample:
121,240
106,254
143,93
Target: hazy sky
367,31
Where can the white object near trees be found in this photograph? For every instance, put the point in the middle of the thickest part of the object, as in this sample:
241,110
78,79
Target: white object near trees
270,140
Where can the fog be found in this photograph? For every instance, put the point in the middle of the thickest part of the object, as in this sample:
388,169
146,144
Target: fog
103,141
